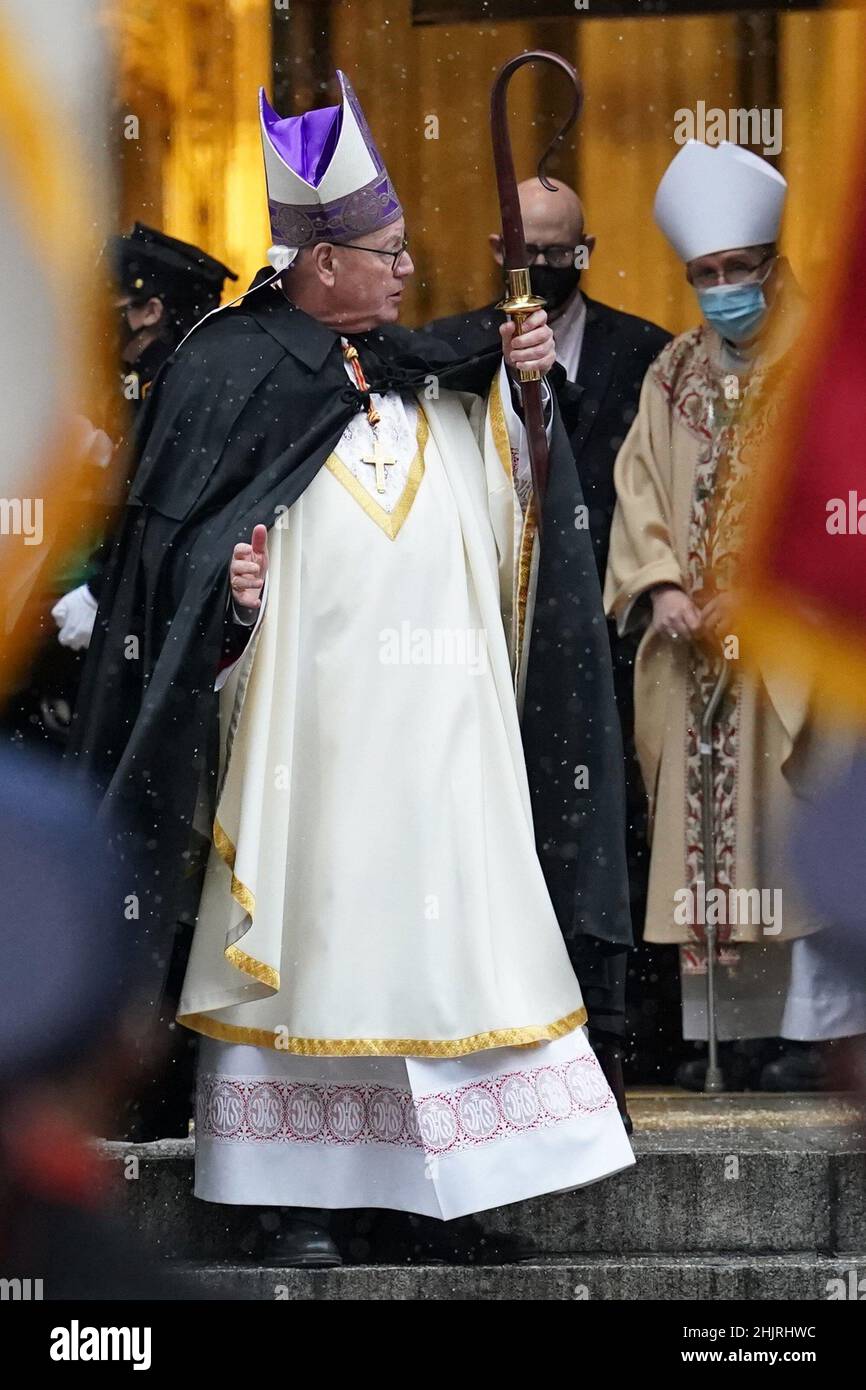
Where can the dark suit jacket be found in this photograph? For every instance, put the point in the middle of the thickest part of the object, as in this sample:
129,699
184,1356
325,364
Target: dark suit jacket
597,411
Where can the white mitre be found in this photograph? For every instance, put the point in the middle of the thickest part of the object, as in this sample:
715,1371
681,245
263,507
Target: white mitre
718,197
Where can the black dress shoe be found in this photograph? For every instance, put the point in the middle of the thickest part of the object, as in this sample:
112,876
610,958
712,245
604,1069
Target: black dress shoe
692,1075
402,1238
301,1240
801,1068
742,1063
494,1247
610,1060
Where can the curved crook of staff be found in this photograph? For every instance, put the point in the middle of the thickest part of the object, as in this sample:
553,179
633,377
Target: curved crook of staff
520,301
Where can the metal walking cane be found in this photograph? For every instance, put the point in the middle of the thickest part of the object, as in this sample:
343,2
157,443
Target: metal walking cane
715,1080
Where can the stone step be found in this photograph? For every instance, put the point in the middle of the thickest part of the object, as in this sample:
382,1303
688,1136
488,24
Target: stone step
738,1174
661,1278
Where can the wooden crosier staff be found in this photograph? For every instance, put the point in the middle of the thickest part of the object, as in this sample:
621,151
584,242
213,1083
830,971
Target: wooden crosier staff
521,302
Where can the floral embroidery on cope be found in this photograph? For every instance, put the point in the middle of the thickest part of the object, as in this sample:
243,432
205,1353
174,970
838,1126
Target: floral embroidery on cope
719,503
681,373
295,1112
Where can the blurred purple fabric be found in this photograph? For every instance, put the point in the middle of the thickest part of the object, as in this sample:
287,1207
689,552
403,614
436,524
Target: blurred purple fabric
67,944
828,855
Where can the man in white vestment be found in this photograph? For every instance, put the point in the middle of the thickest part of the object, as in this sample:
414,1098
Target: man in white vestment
388,1011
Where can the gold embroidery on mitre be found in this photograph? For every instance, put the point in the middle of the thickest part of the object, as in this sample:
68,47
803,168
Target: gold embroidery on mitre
383,1047
390,522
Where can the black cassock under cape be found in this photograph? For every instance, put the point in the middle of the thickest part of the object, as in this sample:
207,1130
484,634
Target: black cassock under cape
238,423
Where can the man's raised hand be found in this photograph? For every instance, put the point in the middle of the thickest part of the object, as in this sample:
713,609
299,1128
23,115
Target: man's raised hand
248,569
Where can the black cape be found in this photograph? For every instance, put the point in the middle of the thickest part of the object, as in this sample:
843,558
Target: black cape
236,425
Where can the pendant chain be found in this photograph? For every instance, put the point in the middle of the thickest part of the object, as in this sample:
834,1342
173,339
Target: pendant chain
350,353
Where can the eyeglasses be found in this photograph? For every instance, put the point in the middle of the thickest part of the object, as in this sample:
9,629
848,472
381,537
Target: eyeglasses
559,257
396,256
734,275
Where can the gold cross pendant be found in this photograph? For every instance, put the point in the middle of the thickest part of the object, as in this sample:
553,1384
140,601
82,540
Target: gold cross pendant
380,461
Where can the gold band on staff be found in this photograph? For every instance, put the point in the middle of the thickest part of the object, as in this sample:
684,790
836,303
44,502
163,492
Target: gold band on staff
520,303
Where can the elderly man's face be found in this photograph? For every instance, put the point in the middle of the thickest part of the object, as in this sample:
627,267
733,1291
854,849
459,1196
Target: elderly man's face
364,281
737,267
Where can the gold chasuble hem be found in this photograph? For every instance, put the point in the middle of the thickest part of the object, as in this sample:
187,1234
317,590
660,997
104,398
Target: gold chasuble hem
389,522
244,896
265,974
383,1047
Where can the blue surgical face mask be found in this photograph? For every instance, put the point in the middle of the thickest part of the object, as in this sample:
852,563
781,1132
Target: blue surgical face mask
736,312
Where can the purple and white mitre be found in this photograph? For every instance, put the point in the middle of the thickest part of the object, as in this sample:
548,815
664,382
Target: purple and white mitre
326,179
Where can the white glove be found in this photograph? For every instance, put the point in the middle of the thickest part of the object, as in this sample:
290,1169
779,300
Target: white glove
90,443
75,615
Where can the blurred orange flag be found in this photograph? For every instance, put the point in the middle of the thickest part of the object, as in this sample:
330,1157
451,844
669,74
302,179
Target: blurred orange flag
55,196
804,574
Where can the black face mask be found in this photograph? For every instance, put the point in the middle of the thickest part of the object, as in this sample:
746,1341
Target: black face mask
556,286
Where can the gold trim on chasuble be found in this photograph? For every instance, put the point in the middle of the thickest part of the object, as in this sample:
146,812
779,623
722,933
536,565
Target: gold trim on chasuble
499,430
390,522
244,896
524,570
350,1047
384,1047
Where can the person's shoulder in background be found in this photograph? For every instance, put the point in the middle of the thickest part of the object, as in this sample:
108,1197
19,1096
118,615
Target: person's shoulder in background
643,339
470,331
